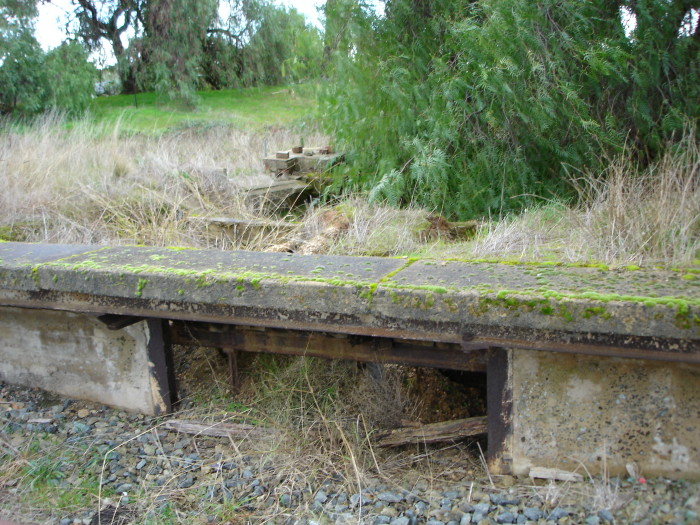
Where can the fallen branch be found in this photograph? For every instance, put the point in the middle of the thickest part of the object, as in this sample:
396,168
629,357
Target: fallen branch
237,430
434,432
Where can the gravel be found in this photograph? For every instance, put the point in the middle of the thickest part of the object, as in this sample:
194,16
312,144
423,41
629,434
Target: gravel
156,470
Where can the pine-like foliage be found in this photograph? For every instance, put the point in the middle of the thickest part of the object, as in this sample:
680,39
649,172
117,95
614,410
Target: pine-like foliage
477,107
172,46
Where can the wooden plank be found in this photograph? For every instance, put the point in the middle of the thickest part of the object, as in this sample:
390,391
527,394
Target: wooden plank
433,433
332,346
237,430
555,474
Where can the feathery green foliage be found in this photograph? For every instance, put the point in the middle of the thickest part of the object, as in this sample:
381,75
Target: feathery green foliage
479,107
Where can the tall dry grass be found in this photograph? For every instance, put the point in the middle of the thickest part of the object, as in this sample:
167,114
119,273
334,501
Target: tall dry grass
89,183
626,215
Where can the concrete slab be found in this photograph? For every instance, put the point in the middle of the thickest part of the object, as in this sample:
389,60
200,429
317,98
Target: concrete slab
550,304
571,411
15,254
544,280
77,356
513,305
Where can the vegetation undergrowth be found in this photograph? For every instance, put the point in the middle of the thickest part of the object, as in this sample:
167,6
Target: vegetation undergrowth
95,185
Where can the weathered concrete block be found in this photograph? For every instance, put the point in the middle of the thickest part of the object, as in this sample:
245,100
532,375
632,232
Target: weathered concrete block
75,355
571,411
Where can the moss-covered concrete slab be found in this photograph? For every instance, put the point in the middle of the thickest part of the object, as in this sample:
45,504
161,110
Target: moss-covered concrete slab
530,301
548,280
525,305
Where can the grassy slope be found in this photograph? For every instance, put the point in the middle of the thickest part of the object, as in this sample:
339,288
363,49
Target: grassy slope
251,108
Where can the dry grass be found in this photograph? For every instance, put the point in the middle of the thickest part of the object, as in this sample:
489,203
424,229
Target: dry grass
626,216
91,184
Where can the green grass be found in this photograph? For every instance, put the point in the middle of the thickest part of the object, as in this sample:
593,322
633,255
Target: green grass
249,107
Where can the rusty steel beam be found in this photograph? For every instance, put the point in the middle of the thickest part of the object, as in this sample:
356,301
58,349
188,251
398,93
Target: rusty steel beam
499,410
117,322
467,357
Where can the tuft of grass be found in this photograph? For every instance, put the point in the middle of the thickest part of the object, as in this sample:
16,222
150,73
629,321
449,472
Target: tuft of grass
52,476
627,216
634,216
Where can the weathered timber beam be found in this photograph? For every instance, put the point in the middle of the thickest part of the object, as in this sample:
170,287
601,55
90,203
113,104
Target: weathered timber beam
332,346
218,429
434,432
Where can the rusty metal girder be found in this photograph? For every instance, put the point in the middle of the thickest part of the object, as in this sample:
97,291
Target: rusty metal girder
452,356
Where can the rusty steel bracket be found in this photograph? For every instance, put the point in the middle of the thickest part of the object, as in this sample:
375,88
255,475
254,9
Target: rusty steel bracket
117,322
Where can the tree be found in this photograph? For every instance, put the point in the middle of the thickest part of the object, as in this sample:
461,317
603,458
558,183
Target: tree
477,107
174,33
281,48
264,44
22,81
110,20
72,77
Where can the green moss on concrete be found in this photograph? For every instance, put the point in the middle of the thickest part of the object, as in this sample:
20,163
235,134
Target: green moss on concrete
140,286
596,311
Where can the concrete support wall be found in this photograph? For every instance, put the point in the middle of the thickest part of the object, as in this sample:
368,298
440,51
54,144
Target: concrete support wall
75,355
574,410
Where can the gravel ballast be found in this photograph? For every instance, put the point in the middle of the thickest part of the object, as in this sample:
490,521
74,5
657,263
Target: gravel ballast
143,473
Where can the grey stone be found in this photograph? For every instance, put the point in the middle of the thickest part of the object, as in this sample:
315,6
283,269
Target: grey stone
504,499
532,513
505,517
592,520
401,520
124,487
420,506
141,464
321,497
466,519
185,482
557,513
390,497
357,499
482,508
381,520
606,515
